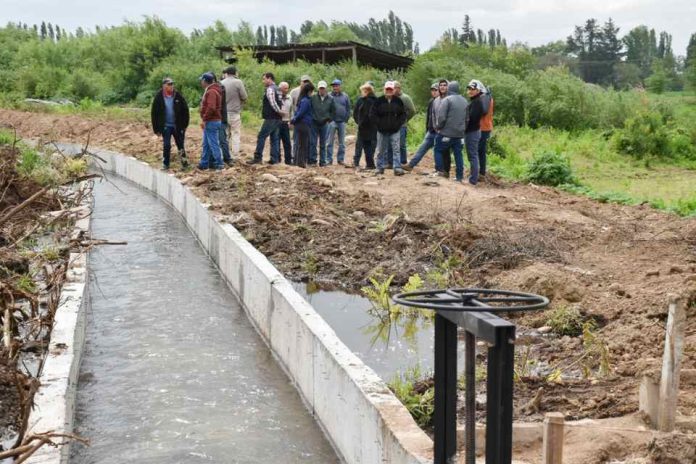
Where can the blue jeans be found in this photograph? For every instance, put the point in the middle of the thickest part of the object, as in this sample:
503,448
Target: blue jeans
284,136
339,127
224,144
320,134
268,128
472,140
427,144
170,131
368,146
403,132
444,144
483,150
211,146
388,143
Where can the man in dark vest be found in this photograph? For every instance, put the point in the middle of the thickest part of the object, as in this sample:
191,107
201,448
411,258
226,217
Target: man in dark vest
170,117
272,118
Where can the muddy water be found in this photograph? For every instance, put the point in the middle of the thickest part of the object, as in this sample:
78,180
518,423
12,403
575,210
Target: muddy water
173,371
389,348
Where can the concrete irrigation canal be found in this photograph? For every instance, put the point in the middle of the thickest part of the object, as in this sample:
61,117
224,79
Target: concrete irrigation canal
173,370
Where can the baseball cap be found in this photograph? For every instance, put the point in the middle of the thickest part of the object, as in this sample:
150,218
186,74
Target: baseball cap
476,85
434,86
321,85
167,80
336,82
305,77
208,77
389,85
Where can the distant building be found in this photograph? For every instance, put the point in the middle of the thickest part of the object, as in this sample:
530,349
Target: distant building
327,53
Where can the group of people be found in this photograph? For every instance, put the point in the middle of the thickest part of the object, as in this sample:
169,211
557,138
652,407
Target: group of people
318,120
221,119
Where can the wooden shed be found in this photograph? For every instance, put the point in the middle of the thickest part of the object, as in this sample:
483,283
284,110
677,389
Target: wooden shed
321,52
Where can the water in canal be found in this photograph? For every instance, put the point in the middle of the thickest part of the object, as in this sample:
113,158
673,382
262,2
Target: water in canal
173,371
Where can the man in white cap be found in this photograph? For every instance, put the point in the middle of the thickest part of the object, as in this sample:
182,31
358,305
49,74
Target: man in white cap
323,113
338,123
389,115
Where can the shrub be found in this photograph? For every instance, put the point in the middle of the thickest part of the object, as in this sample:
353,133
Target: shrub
643,135
550,168
565,320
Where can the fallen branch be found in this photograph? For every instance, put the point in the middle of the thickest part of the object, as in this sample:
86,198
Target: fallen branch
96,242
23,205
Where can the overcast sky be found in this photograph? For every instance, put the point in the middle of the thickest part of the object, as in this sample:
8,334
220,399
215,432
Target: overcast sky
532,21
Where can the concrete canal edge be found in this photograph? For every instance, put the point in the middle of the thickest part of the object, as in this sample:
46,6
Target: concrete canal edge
54,402
365,422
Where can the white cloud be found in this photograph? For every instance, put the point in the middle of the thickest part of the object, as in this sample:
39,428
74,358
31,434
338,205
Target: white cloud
531,21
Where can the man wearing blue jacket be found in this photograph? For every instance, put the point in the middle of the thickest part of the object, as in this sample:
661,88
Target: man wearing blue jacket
338,124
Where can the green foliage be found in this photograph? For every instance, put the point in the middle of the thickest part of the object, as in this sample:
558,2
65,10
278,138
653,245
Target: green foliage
26,283
310,264
565,320
596,352
378,292
412,390
550,168
644,135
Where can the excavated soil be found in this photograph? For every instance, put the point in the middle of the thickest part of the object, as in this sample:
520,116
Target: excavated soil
616,264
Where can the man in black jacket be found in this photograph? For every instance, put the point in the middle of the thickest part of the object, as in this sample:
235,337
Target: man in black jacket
475,111
170,117
388,114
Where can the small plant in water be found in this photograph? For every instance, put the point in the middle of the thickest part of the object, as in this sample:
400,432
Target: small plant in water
310,265
378,292
596,352
417,394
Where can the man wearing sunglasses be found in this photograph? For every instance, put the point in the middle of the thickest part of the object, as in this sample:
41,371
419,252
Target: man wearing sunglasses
170,117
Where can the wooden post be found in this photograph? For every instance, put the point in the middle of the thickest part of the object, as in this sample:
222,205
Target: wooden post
323,56
355,56
552,452
649,399
671,363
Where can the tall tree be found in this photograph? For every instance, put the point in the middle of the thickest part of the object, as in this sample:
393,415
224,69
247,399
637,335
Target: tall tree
44,30
51,33
691,50
58,33
497,38
598,50
480,38
467,30
273,36
259,36
641,49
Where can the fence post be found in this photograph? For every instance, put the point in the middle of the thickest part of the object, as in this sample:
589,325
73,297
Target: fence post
671,363
553,438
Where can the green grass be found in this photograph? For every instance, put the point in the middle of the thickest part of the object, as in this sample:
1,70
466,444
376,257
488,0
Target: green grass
603,173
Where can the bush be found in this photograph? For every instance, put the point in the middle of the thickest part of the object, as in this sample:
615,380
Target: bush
565,320
550,168
643,135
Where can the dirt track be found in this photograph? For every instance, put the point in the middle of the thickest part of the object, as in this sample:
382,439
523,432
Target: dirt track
617,264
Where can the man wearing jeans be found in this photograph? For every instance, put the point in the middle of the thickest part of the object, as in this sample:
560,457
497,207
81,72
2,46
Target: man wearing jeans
170,117
235,97
322,112
338,124
473,128
211,118
450,125
429,140
272,117
410,113
389,116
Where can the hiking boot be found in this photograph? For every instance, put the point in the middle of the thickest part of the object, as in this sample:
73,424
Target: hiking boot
253,161
407,167
341,163
389,166
184,159
164,168
443,174
379,171
229,163
399,172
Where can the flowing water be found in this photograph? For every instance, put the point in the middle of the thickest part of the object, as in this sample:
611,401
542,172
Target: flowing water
173,371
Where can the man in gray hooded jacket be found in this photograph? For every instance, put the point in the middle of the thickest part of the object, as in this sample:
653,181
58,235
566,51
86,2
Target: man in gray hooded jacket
450,125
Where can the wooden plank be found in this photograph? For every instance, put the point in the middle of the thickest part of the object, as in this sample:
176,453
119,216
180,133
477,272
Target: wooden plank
552,452
671,362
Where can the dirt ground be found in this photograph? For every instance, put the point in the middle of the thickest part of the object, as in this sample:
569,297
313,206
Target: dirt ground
616,264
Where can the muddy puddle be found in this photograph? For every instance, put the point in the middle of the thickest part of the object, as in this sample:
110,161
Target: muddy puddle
173,370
